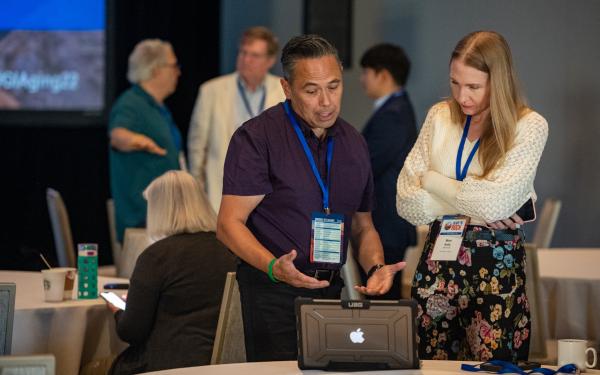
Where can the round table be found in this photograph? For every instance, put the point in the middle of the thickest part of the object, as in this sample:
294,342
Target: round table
75,331
570,293
291,368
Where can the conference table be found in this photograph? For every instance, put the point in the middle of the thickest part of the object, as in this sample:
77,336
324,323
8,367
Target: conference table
291,368
75,331
570,292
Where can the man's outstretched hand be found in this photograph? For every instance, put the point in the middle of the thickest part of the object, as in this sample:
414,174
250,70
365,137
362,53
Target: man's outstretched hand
285,271
381,281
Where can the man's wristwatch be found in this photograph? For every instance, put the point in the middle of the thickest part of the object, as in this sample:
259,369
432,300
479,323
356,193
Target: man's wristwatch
374,269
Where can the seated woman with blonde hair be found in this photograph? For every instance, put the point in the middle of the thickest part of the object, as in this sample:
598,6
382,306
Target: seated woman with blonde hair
176,288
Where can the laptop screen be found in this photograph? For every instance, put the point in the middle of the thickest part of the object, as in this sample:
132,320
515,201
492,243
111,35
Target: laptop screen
356,335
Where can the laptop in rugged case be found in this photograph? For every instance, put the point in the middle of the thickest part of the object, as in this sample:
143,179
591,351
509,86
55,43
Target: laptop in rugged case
356,335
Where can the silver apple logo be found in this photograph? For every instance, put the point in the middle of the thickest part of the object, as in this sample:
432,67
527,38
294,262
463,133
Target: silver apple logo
357,336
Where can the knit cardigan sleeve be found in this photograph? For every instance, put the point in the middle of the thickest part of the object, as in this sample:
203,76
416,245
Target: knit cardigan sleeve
511,184
413,203
506,188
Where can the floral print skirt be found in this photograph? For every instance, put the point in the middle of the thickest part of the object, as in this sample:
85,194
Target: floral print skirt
474,308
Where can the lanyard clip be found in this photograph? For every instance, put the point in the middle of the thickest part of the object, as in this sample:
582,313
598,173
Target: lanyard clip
327,210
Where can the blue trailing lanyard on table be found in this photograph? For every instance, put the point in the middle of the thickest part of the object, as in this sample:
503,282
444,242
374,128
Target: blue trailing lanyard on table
247,103
311,160
510,368
461,174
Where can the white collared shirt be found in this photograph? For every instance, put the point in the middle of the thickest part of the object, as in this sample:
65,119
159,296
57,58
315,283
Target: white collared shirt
254,99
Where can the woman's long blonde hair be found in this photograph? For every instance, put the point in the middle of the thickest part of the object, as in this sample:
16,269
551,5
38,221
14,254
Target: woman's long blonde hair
177,204
489,52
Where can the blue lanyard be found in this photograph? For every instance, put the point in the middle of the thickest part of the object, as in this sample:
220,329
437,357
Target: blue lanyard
247,103
460,175
510,368
311,160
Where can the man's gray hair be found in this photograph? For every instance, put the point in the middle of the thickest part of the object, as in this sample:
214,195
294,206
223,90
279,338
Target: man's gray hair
147,55
305,47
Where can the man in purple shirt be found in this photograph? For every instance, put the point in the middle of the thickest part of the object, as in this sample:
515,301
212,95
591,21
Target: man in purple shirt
294,168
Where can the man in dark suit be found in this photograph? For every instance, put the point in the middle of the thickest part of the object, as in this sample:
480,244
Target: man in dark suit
390,133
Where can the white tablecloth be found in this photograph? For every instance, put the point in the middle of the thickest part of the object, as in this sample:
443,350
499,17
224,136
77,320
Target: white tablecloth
570,292
291,368
76,331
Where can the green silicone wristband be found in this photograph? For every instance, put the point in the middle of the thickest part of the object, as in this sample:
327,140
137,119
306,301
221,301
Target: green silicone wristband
270,273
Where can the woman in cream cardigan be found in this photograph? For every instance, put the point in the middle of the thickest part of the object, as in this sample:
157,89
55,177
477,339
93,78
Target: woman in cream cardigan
476,156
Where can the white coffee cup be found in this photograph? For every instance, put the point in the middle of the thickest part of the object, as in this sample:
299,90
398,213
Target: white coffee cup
69,281
576,352
54,284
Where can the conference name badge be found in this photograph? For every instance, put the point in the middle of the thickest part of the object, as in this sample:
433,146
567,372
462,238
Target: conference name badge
327,237
448,241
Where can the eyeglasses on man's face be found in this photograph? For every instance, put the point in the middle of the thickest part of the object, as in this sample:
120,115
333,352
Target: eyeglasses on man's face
174,65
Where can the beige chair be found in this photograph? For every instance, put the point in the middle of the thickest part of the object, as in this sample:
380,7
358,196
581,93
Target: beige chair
7,316
540,348
39,364
229,345
546,223
135,241
112,228
61,229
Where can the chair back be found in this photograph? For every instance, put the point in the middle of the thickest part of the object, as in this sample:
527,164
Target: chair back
547,223
112,228
39,364
538,335
136,240
7,315
229,345
61,229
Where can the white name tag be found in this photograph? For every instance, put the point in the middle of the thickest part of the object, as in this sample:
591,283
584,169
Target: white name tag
327,238
448,241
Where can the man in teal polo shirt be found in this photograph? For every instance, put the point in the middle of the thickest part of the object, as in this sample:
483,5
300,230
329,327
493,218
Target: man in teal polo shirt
144,139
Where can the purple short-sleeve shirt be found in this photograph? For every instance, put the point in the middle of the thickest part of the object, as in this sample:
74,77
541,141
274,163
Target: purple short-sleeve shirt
265,157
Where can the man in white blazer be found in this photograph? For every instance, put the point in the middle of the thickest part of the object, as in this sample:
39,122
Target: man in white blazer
226,102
